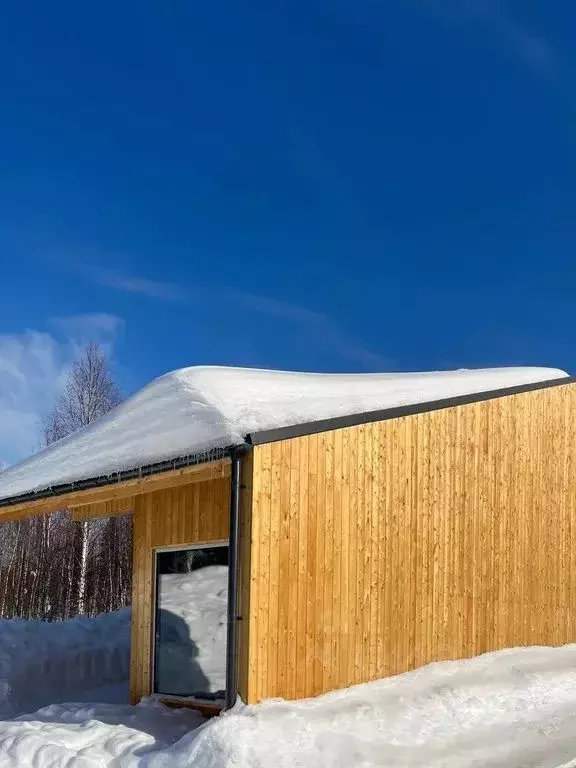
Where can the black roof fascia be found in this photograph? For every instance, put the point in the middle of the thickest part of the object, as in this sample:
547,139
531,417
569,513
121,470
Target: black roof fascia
117,477
341,422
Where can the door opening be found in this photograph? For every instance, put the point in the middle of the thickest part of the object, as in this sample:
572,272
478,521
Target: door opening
191,621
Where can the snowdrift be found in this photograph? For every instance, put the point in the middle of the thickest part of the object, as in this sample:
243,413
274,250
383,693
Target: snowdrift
511,709
92,736
50,662
195,410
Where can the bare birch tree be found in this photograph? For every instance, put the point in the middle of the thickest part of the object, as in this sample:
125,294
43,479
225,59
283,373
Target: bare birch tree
52,567
89,393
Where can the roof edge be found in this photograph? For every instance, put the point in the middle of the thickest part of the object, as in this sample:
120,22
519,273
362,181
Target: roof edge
367,417
147,470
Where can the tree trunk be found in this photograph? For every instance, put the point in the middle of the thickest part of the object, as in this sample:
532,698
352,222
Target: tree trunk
82,576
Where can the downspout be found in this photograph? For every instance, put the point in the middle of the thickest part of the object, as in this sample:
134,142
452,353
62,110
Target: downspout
233,576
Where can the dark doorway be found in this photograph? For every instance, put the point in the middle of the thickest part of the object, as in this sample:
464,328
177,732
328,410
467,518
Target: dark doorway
190,627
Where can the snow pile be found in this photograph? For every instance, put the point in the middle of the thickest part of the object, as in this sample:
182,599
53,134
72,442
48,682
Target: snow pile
86,659
92,736
192,652
198,409
45,662
512,709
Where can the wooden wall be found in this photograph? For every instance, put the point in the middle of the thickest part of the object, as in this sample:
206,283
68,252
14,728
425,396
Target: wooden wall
379,548
192,514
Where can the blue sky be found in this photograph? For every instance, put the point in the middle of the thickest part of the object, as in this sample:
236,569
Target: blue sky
340,185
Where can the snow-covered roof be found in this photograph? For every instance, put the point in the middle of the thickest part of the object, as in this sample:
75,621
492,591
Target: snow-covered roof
195,410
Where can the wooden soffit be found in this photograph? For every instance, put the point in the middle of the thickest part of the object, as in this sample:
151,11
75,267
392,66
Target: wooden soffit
116,498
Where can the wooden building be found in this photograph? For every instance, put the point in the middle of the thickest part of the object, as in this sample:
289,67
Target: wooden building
357,546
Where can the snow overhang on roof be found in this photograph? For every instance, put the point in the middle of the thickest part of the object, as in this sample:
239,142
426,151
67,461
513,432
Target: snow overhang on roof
201,410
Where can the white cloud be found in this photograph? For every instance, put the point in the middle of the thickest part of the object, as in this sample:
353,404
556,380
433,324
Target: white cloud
33,368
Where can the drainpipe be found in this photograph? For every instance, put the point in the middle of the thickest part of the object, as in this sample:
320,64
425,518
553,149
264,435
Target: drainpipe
233,576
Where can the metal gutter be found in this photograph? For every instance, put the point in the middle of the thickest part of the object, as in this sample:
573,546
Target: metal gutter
340,422
236,454
118,477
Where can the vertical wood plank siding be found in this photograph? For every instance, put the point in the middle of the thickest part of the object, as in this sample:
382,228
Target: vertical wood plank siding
193,514
379,548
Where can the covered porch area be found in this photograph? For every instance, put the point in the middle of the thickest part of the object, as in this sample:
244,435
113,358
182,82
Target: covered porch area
180,573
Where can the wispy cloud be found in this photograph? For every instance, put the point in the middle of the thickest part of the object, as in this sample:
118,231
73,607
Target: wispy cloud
98,326
534,51
155,289
319,327
33,369
322,327
84,263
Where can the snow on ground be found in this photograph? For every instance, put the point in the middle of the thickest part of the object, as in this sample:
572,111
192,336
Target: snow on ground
88,660
197,409
46,662
92,736
512,709
192,655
